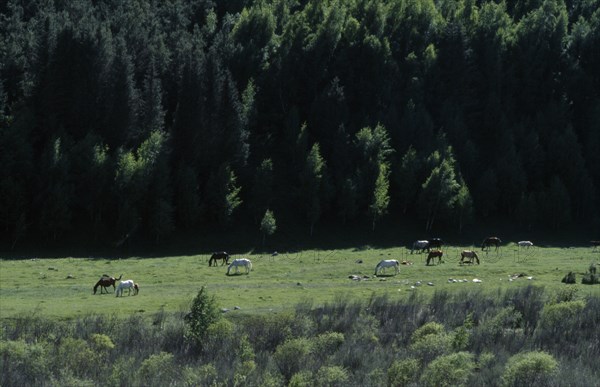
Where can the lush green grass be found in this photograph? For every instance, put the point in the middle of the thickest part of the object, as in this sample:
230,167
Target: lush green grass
276,283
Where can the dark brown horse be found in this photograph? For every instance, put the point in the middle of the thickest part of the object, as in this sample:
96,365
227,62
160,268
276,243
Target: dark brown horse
105,281
491,241
222,255
435,254
436,243
468,256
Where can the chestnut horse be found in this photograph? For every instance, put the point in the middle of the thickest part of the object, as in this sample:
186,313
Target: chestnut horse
106,281
435,254
222,255
491,241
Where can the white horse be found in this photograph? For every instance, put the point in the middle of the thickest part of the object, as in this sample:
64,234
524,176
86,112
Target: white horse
129,284
382,265
525,244
245,262
420,245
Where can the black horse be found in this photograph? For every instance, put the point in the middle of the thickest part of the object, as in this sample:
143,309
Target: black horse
491,241
222,255
436,243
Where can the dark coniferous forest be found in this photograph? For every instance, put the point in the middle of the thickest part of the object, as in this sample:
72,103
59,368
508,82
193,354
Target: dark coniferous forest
152,118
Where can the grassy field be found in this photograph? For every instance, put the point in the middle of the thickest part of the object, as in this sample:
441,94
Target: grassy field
62,288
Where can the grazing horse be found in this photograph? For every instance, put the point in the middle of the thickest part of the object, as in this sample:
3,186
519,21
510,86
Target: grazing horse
245,262
222,255
526,244
420,245
470,255
595,244
436,243
491,241
105,281
382,265
435,254
128,284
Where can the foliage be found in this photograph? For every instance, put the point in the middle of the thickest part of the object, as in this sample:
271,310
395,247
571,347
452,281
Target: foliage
449,370
35,350
202,315
403,372
268,225
527,368
232,99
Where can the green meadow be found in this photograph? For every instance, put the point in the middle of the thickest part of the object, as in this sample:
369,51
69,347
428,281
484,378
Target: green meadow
63,288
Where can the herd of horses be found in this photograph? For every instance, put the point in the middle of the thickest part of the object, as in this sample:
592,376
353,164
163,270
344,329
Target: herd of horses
433,247
106,281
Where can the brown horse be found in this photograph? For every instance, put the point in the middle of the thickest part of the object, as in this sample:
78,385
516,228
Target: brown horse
105,281
222,255
435,254
470,255
491,241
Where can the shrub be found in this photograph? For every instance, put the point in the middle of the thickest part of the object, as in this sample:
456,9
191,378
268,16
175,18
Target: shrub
403,372
327,343
204,375
449,370
529,369
23,364
266,333
431,328
291,356
559,321
496,325
569,278
591,278
431,341
76,356
301,379
158,370
122,374
331,376
203,313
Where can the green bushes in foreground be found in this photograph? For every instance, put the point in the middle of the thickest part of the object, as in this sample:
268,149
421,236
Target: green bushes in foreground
520,337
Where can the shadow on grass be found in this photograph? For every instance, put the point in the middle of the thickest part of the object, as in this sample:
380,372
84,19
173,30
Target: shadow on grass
246,239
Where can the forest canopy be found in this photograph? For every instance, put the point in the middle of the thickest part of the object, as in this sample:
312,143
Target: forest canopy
153,117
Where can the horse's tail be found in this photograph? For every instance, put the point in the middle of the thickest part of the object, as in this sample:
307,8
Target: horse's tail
249,265
118,279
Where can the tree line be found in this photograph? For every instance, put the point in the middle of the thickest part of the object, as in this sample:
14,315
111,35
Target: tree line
152,117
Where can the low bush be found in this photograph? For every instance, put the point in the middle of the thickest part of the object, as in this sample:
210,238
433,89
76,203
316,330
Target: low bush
530,369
